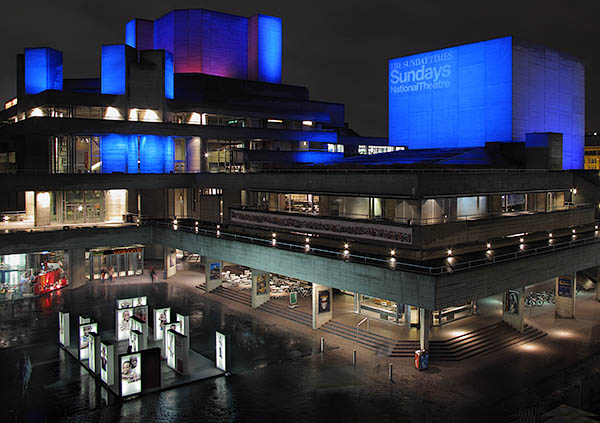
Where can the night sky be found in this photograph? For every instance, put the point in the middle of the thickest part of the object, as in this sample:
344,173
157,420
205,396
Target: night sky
338,49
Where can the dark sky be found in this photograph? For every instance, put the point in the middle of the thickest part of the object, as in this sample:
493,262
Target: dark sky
338,49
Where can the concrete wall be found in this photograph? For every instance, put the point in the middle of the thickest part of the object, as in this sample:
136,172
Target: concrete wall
76,260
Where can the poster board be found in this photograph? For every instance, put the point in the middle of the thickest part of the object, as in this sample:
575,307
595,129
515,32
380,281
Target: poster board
123,323
161,316
176,326
135,340
107,362
130,374
84,339
178,350
222,343
94,353
132,302
142,327
64,333
185,323
84,319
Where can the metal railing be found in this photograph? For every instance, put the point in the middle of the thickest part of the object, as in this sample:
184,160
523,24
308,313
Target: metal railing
366,319
451,266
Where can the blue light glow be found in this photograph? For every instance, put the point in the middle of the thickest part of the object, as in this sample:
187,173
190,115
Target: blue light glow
169,77
130,33
113,153
496,90
43,70
269,49
456,97
316,157
157,154
132,154
114,67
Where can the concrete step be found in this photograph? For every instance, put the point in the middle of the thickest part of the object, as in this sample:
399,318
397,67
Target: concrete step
378,342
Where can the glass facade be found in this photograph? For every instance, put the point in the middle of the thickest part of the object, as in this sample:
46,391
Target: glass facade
125,261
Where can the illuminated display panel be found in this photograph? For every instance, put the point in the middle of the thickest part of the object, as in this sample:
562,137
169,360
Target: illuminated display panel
496,90
130,36
43,70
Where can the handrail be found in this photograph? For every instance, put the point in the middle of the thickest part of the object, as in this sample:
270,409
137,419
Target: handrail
366,319
396,265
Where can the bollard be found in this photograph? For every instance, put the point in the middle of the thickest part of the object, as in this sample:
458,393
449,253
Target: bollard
354,357
322,344
390,372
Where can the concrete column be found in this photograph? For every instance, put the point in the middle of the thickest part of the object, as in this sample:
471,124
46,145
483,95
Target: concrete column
212,271
192,156
115,205
76,271
598,283
261,291
30,205
565,296
322,305
42,208
170,255
513,308
424,328
357,302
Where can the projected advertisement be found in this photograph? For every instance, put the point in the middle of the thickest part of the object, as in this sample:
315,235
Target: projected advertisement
131,374
455,97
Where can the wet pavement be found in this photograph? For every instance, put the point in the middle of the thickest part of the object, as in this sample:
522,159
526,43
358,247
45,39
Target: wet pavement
278,372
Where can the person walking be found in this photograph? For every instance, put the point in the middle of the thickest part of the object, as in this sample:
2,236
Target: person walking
111,273
103,275
152,274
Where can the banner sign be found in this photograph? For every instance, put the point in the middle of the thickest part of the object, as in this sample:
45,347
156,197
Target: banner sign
565,287
393,233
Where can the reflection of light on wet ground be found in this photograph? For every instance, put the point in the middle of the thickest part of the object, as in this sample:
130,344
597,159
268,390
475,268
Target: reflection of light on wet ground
532,348
456,332
563,333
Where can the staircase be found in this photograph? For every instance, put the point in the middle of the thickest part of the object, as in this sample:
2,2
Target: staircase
479,342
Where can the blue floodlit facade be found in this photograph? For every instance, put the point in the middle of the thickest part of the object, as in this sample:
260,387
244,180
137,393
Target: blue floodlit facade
496,90
43,70
114,69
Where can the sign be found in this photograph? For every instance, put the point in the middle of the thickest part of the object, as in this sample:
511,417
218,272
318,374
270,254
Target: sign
262,284
64,336
132,302
565,287
124,323
324,301
93,351
161,316
84,338
221,351
170,349
214,271
107,361
393,233
293,298
174,326
131,374
185,323
512,301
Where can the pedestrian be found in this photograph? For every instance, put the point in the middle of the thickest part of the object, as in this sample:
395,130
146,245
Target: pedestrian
152,274
111,273
103,274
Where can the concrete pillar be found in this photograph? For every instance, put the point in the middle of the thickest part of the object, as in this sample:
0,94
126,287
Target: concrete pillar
30,205
261,291
598,283
357,302
322,305
192,156
212,271
76,271
170,255
115,205
513,308
565,296
424,328
42,208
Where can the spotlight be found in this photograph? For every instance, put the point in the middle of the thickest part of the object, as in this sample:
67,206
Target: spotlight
489,245
449,251
392,252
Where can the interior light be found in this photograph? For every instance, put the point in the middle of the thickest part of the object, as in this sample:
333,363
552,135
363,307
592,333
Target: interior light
449,251
274,235
37,112
194,119
307,123
521,240
392,252
204,119
80,208
112,113
573,230
550,235
133,116
307,239
274,121
206,155
346,245
489,245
